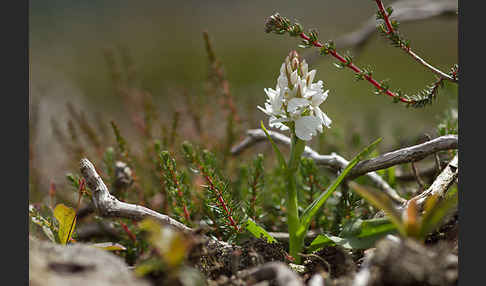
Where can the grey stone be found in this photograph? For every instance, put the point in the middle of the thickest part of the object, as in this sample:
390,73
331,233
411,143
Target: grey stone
77,264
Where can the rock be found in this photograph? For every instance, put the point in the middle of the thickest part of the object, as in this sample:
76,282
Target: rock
77,264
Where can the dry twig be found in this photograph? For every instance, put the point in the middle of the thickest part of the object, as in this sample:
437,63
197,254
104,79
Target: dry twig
405,155
107,205
442,183
427,172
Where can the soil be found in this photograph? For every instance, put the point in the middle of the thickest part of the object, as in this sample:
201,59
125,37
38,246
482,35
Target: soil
392,262
216,262
334,260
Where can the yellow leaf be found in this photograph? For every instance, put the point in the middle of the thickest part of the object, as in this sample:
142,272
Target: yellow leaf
412,221
109,246
178,250
431,202
66,217
170,244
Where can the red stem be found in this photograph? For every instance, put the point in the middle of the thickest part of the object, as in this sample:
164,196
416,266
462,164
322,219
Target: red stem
221,201
52,193
385,16
355,69
186,213
82,186
130,234
407,48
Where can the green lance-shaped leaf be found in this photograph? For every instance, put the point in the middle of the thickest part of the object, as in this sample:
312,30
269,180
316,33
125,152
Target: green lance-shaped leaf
66,217
312,209
322,240
391,176
369,227
258,231
381,201
280,157
362,234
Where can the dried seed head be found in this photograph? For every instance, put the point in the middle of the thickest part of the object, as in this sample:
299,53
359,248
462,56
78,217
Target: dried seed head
276,24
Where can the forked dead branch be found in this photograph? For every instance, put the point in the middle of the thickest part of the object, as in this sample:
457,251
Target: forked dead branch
107,205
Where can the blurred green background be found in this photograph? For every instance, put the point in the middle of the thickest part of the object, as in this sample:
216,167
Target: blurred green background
164,39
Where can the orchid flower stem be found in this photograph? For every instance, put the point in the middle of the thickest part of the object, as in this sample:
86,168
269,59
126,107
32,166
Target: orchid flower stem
295,240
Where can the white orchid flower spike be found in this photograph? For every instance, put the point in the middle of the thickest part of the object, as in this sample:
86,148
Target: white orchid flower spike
295,101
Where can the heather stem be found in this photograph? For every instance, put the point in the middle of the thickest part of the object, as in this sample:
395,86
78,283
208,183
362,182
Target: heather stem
390,30
356,70
385,16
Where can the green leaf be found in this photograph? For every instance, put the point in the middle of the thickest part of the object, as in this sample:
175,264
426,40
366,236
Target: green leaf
280,157
362,234
322,240
437,214
258,231
312,209
73,179
452,192
66,217
369,227
148,266
391,176
381,201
